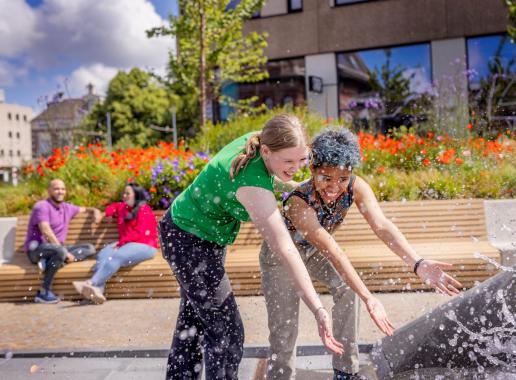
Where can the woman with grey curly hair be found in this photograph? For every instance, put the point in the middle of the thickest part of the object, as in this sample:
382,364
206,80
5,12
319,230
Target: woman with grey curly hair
312,213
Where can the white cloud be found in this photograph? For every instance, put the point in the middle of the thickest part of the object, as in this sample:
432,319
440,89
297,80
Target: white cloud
97,74
10,73
17,27
90,31
60,33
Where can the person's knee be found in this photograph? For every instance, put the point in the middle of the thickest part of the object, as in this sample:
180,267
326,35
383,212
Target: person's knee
90,249
56,261
112,265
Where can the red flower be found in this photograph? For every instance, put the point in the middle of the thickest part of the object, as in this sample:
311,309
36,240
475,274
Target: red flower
426,162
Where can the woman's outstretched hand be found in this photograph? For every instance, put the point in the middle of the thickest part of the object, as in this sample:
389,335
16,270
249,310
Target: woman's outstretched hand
324,326
431,272
379,316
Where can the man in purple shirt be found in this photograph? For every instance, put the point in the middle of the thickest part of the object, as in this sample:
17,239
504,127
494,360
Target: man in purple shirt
46,235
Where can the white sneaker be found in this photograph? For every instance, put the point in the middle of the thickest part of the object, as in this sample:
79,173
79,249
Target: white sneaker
93,293
79,285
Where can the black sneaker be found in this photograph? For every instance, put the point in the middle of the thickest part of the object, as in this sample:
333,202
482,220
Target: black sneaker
341,375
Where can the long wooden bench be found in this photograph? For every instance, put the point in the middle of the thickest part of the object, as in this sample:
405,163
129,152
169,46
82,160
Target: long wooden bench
448,230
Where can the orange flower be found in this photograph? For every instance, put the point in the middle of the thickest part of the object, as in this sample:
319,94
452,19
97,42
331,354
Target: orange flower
152,189
459,161
470,126
380,170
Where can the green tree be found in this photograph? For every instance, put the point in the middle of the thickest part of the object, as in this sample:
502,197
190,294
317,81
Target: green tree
511,28
212,50
135,101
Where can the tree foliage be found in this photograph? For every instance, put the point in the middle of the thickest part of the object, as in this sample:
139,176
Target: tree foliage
212,50
135,101
511,28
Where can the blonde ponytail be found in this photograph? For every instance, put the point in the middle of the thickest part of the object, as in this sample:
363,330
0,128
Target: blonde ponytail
240,161
281,132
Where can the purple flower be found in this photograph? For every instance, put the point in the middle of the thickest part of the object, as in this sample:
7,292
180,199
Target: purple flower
166,190
164,202
177,178
284,196
175,164
158,169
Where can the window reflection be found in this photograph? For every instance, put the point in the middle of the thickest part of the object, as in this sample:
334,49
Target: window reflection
285,85
492,81
295,5
385,88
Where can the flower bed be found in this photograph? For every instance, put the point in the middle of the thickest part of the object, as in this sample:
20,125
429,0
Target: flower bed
403,166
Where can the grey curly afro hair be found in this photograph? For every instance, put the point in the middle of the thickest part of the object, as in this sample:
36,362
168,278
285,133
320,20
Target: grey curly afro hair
335,147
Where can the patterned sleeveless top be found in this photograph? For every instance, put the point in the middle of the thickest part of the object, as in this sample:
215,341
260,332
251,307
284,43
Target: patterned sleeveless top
330,218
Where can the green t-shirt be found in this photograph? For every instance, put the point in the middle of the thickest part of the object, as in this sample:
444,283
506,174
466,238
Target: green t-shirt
208,208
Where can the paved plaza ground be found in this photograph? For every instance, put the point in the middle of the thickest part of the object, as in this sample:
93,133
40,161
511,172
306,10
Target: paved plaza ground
148,323
145,327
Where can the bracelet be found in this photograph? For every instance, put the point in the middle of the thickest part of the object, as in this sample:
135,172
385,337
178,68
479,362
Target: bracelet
319,308
416,265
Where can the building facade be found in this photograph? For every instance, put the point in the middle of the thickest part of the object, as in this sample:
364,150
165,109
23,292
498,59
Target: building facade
57,125
15,138
360,58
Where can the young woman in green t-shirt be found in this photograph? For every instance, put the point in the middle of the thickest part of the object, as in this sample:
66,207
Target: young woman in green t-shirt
236,185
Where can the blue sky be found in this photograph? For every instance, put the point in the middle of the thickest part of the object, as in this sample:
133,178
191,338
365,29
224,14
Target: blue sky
48,46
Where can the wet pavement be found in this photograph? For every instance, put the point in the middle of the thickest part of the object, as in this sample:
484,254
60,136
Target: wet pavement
96,338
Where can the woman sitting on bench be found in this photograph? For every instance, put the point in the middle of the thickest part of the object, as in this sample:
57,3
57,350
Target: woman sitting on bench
137,241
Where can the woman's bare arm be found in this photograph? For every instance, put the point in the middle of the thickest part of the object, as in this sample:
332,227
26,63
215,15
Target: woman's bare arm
263,210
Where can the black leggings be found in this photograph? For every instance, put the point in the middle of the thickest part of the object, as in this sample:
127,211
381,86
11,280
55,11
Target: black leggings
55,256
208,324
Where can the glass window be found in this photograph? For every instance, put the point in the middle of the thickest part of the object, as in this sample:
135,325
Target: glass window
1,152
492,81
385,88
9,116
17,117
295,5
286,84
24,117
10,153
17,135
10,134
18,153
345,2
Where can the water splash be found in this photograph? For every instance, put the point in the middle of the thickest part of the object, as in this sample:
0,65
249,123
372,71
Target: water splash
493,262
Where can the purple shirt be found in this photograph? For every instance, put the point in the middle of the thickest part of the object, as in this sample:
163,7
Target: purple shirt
57,217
